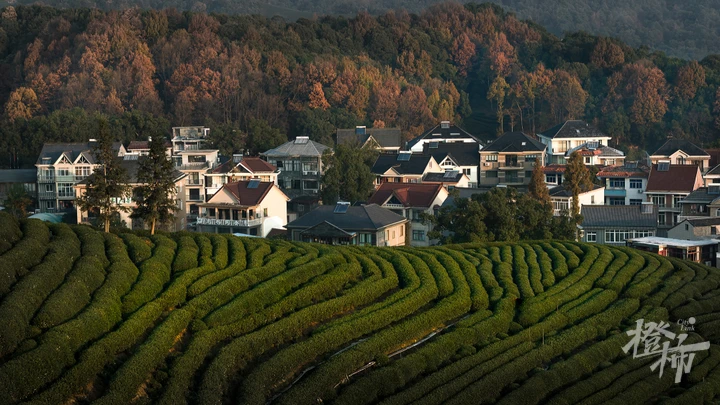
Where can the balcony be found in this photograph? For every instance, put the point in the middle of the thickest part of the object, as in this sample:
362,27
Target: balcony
229,222
66,196
46,179
511,165
193,197
193,166
615,192
194,182
47,195
393,206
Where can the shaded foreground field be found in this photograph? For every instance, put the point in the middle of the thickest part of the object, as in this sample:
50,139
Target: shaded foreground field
201,318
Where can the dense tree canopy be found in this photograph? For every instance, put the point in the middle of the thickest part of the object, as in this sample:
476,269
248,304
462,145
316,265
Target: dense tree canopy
261,81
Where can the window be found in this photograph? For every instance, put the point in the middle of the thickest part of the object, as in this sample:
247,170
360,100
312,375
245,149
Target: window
616,236
491,158
592,199
402,231
550,178
467,171
49,188
81,172
713,230
492,174
591,237
364,238
616,200
674,218
560,205
635,183
387,234
418,235
211,212
65,190
610,162
264,212
587,160
528,174
680,160
634,201
310,167
676,200
530,158
687,227
661,219
617,183
310,185
393,235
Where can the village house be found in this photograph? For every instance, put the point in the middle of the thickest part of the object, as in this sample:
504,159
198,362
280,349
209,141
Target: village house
561,198
457,157
554,174
698,251
594,154
25,177
443,133
343,224
405,167
449,179
142,148
569,135
681,152
386,140
625,184
60,167
510,159
300,165
131,164
189,138
239,168
613,224
411,201
250,207
701,203
696,229
667,186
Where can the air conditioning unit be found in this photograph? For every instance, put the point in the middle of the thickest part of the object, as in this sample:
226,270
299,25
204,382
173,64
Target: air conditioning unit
486,164
639,191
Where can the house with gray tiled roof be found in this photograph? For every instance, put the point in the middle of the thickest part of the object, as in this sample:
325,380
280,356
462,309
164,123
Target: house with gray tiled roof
568,135
459,157
382,139
445,132
510,159
59,167
613,224
343,224
405,167
681,152
300,165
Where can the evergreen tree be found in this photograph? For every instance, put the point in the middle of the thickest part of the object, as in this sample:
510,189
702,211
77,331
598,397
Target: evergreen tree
155,198
577,179
537,187
347,174
17,201
108,182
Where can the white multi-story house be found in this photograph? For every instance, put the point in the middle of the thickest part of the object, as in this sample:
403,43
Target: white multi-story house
410,201
681,152
625,185
561,198
250,207
131,165
457,157
594,154
568,135
59,167
195,163
405,167
237,169
443,133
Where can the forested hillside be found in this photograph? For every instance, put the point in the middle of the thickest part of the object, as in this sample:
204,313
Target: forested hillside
255,80
686,29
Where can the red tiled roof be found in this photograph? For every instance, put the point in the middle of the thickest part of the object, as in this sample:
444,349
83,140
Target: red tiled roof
554,169
409,194
255,165
623,171
248,196
681,178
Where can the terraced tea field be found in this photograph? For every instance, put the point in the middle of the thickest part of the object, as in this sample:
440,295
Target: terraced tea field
209,319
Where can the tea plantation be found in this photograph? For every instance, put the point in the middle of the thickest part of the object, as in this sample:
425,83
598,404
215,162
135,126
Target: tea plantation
213,319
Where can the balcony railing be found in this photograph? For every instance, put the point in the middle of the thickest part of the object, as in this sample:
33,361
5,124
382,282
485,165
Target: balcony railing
191,197
193,166
229,222
47,195
511,165
393,206
46,179
66,196
194,182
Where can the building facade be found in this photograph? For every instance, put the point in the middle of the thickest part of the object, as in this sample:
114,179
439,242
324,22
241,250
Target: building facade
458,157
446,132
667,186
300,165
405,167
561,138
510,160
385,140
681,152
625,184
614,224
561,198
249,207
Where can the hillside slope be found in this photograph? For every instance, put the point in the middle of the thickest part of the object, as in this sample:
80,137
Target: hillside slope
200,318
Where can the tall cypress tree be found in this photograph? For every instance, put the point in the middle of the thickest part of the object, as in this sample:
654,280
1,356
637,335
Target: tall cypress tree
577,179
537,188
155,198
109,181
